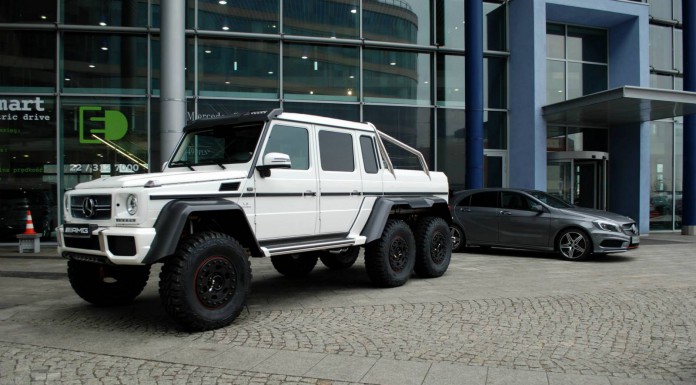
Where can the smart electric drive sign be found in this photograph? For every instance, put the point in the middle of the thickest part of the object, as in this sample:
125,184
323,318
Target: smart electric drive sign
97,127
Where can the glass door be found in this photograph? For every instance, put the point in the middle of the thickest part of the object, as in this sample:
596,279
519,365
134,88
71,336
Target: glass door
578,177
494,168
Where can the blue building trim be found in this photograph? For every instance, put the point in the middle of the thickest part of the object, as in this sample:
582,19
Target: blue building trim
473,77
689,169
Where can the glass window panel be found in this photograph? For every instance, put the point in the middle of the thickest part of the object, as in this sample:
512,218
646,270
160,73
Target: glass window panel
28,60
450,80
679,83
397,21
494,26
661,9
156,14
336,151
555,81
555,41
156,62
238,68
212,108
677,13
678,50
20,11
495,82
369,155
126,13
555,138
450,23
239,16
587,44
451,146
314,72
103,137
104,63
495,130
325,18
661,81
293,141
396,77
410,125
661,183
585,79
661,47
337,111
678,171
28,166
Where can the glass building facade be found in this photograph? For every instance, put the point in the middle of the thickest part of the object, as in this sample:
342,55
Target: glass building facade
80,85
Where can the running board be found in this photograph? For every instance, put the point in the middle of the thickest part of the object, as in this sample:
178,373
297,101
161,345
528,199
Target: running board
307,246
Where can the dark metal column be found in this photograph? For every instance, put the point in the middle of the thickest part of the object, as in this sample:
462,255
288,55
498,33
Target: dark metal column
173,93
689,169
473,75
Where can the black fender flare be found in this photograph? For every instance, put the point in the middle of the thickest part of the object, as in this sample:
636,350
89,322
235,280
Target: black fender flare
173,217
384,205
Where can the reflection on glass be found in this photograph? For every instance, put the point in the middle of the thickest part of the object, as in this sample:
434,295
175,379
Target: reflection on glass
214,108
587,44
337,111
410,125
104,63
156,14
495,82
156,60
396,77
451,146
313,72
555,41
678,170
28,60
397,21
21,11
495,130
661,176
585,79
325,18
125,13
555,138
558,180
555,81
494,26
450,23
238,68
239,16
450,80
661,47
661,9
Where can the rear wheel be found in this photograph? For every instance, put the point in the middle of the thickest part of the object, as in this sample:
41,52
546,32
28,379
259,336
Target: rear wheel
295,265
339,259
389,260
574,245
107,285
434,247
206,283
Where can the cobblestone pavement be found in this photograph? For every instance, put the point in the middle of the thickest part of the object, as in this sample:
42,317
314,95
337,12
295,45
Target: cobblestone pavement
496,317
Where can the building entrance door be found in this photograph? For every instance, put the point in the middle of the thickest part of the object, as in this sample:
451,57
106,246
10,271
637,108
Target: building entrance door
494,168
579,177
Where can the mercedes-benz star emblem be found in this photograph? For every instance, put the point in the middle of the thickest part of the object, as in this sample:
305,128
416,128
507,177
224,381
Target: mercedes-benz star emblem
89,207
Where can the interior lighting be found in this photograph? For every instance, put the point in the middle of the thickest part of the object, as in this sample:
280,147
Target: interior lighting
270,72
351,77
104,47
222,2
225,28
91,66
304,57
102,23
67,79
316,65
353,11
235,66
392,63
208,51
43,17
311,92
227,82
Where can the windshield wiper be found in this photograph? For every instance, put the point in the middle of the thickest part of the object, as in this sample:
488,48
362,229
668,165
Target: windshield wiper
182,163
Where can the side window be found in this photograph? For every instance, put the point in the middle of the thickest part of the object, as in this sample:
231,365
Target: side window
485,199
466,201
293,141
515,201
336,151
367,147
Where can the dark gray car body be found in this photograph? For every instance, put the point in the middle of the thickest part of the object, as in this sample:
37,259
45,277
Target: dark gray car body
530,219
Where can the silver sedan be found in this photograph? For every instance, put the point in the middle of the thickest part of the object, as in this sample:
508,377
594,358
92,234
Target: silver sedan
530,219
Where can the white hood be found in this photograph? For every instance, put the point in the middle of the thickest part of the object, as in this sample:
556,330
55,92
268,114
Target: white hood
162,179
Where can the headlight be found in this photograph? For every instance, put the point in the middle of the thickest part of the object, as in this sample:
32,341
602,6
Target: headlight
132,204
607,226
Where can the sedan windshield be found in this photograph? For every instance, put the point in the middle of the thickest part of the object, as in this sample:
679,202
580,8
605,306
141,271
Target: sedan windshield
217,145
550,200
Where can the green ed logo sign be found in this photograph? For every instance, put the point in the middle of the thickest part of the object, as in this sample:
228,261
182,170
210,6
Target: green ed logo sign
97,126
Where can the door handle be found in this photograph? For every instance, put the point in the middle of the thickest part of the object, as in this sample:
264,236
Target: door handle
504,212
355,193
309,193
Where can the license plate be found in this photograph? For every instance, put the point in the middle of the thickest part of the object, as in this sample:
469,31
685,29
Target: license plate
635,242
78,230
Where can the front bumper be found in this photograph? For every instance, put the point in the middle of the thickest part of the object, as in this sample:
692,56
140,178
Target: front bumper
114,245
613,242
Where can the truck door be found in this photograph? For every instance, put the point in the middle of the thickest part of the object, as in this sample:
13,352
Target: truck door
287,201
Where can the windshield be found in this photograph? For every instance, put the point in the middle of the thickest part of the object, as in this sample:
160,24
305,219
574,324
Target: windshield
218,145
550,200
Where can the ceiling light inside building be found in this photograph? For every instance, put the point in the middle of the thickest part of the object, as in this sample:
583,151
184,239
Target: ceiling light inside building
208,51
222,2
304,57
91,66
353,10
225,28
102,23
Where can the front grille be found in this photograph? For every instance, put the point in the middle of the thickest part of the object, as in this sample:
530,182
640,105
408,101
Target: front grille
629,229
91,206
612,243
91,243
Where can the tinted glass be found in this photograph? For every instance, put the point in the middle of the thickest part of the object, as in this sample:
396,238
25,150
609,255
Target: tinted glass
213,108
156,63
238,68
21,11
451,145
485,199
495,82
239,16
190,13
550,200
494,30
28,60
585,79
293,141
493,171
661,47
325,18
555,81
126,13
314,72
555,41
678,50
661,9
336,150
367,147
450,23
587,44
104,63
661,186
410,125
515,201
397,21
337,111
495,130
396,77
450,80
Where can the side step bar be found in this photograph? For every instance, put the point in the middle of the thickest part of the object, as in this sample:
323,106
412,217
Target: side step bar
307,246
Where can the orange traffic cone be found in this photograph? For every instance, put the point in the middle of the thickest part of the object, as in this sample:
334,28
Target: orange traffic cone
30,225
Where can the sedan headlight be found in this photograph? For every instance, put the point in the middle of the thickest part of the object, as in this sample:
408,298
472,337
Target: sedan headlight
132,204
607,226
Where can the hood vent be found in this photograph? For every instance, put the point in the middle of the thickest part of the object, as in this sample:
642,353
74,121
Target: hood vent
231,186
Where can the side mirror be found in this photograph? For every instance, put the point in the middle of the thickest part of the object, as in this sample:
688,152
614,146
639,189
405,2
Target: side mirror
164,165
538,208
273,160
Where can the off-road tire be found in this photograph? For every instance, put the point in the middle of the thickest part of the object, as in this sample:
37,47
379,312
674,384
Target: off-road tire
574,245
205,284
339,260
295,265
433,247
389,260
107,285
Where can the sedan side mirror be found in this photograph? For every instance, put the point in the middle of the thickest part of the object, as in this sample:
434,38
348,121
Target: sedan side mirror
273,160
538,208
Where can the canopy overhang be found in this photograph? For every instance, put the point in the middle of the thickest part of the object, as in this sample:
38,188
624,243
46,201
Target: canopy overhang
621,106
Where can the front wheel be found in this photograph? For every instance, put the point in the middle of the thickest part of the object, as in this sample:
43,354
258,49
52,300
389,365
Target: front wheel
389,260
107,285
205,284
574,245
434,247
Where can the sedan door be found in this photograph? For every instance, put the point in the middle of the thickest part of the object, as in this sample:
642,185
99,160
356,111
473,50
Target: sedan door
479,217
519,224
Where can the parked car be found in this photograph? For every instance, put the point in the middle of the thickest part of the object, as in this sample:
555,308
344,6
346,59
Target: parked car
529,219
